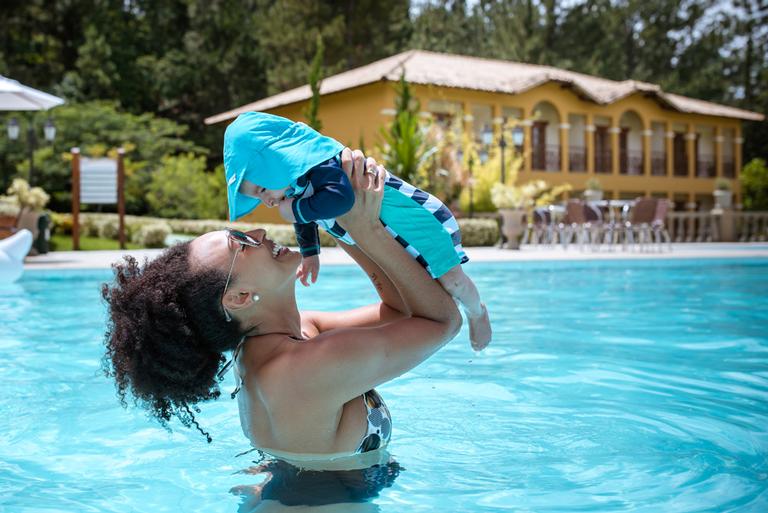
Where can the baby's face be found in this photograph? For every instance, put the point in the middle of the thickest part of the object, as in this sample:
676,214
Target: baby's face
269,197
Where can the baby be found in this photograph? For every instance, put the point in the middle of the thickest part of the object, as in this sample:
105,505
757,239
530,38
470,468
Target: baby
273,160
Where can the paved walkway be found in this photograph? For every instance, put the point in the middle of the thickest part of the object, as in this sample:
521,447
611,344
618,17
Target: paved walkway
335,256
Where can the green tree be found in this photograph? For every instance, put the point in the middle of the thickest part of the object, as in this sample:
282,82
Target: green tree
354,32
97,128
404,140
754,183
447,26
95,75
289,30
315,80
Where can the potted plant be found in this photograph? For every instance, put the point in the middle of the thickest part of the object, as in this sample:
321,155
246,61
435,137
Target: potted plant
29,202
722,193
594,190
516,201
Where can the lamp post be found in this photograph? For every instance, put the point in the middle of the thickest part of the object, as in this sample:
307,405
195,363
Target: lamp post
471,183
49,132
488,140
470,179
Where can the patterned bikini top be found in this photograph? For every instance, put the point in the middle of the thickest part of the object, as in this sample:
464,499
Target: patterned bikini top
379,428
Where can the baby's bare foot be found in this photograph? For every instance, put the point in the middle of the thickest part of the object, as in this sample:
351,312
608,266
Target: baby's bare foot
480,330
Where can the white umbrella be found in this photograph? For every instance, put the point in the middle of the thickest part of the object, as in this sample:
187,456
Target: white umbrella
15,96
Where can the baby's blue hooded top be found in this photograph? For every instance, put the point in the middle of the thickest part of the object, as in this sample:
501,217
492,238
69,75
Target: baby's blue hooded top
269,151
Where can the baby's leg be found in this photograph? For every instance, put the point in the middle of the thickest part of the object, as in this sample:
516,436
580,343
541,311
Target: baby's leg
463,289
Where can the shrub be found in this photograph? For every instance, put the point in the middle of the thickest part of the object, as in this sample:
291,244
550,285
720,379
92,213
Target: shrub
474,232
754,182
479,232
109,227
152,235
181,187
89,225
61,224
97,128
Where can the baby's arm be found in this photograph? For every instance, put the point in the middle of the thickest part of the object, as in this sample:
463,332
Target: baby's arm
308,238
309,245
333,195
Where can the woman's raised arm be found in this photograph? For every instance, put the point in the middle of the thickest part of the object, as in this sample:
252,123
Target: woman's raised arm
343,363
422,295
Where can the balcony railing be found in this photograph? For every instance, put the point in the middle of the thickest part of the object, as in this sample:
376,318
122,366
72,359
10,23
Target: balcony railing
631,162
704,226
728,169
603,162
692,227
752,226
705,167
658,163
547,160
577,159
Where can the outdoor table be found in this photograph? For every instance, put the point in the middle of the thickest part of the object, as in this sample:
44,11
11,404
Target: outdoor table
612,205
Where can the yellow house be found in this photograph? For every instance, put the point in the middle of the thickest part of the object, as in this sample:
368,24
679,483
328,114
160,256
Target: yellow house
636,139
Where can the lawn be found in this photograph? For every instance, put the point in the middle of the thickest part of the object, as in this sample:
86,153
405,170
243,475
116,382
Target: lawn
64,243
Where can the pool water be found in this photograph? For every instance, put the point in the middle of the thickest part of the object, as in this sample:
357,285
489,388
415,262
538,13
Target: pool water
610,386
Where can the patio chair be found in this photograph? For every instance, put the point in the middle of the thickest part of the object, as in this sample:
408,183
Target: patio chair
659,225
556,230
539,228
641,217
594,223
575,223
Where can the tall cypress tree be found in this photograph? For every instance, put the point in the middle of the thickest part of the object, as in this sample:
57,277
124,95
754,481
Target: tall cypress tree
315,80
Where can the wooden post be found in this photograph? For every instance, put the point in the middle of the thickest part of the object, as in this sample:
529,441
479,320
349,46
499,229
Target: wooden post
565,145
738,146
669,148
690,145
647,151
718,151
589,135
527,145
615,130
75,198
121,196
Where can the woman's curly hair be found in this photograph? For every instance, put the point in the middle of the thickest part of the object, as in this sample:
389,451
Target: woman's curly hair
166,333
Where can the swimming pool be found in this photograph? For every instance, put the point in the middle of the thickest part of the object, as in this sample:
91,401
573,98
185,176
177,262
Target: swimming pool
610,386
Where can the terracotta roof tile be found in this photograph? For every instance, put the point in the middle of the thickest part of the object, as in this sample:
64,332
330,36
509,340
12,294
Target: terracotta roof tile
448,70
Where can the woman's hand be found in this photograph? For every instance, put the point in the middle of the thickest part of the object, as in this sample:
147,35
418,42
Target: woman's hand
367,179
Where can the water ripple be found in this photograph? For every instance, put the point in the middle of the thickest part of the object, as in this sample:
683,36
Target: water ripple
618,386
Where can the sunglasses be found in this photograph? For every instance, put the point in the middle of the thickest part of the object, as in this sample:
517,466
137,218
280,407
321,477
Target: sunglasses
243,240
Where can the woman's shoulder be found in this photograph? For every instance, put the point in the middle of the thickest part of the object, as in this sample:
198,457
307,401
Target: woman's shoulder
265,360
278,372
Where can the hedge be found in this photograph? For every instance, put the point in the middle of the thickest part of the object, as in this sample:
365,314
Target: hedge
474,232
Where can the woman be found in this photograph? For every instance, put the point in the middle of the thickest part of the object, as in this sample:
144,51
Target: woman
307,378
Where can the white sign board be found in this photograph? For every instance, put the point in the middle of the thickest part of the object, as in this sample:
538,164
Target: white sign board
98,181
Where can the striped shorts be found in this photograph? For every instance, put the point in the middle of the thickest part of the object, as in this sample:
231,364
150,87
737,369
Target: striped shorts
420,222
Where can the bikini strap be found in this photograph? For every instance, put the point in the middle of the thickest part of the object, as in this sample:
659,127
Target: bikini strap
220,375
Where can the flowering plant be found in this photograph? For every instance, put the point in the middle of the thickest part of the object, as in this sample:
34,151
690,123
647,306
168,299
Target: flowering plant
23,197
26,197
527,195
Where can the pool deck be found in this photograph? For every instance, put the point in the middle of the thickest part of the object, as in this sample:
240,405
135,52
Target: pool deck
335,256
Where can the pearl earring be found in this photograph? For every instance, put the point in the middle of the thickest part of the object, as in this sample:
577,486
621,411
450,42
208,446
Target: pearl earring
255,298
